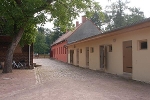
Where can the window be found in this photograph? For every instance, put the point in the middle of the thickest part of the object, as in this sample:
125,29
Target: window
143,44
92,49
80,50
109,48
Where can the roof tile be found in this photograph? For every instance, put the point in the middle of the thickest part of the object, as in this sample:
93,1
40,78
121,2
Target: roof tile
86,29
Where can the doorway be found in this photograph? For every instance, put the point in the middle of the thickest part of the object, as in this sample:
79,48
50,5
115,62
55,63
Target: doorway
77,56
71,56
103,57
127,56
87,57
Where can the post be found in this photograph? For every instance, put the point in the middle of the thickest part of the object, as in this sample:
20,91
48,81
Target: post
29,56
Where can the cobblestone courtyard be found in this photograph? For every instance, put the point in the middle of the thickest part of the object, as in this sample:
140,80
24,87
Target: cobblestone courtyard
59,81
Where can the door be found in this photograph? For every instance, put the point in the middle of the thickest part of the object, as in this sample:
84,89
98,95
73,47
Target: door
127,56
103,57
87,56
71,56
77,56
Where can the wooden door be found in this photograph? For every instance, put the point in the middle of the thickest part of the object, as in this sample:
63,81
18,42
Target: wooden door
87,56
71,56
127,56
77,56
103,57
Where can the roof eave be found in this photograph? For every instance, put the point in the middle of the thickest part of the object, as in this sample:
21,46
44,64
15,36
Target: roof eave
112,32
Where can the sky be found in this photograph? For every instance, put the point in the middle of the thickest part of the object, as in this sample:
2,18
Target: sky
144,6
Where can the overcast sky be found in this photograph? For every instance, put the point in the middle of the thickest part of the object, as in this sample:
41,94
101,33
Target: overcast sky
144,5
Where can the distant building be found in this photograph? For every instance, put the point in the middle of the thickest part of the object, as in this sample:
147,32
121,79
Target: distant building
59,50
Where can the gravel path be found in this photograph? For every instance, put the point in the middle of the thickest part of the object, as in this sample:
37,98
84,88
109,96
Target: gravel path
60,81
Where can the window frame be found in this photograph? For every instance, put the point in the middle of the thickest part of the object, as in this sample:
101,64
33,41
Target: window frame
109,48
80,50
140,44
91,49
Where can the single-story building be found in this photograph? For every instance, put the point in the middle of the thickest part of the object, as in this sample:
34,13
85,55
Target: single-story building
122,51
20,54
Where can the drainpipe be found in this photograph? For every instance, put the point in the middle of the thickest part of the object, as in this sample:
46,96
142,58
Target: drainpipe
29,55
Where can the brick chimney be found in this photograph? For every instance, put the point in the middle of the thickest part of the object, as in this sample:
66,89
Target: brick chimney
83,19
77,23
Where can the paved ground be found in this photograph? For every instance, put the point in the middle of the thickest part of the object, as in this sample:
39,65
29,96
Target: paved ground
59,81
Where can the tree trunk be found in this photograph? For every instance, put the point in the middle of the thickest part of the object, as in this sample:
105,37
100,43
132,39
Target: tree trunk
9,55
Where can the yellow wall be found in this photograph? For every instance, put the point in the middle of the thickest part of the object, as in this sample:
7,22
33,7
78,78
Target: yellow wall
140,58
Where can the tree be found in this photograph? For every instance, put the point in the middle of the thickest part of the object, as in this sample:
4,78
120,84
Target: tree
118,14
96,15
55,35
23,15
40,45
97,20
135,16
115,14
45,38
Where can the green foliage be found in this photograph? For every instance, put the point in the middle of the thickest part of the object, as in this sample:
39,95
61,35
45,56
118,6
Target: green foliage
97,19
135,16
27,13
55,35
29,35
95,14
45,39
40,45
20,14
118,14
95,8
87,6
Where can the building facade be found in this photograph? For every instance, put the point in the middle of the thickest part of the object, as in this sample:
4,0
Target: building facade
59,51
58,48
124,51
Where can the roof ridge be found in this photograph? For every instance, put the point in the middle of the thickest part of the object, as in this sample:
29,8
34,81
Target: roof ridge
61,38
89,27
